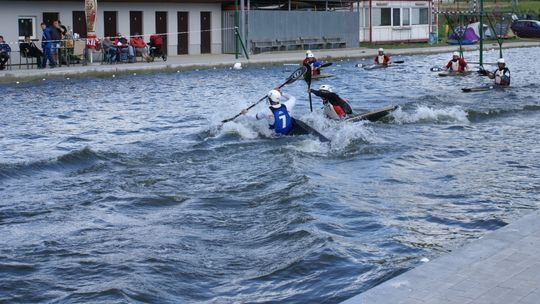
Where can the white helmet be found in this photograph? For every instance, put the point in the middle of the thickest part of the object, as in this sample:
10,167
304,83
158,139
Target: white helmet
501,60
381,50
310,55
308,52
456,54
325,87
274,96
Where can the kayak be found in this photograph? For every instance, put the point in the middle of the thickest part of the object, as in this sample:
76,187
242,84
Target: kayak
452,73
321,76
484,88
376,66
301,128
373,115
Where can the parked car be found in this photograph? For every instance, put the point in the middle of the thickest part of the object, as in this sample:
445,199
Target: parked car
526,28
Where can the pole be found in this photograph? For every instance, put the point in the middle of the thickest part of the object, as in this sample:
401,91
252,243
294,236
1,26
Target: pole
242,21
481,32
236,48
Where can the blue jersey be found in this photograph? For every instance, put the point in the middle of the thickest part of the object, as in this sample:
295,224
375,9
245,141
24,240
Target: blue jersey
282,120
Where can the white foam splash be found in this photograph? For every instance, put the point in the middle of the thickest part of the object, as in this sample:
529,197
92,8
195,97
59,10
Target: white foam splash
428,114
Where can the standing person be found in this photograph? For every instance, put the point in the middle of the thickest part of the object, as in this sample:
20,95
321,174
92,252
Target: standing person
5,52
382,58
29,48
335,107
278,115
457,64
56,39
47,46
501,75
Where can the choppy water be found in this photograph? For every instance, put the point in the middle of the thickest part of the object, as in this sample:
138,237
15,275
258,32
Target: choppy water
126,190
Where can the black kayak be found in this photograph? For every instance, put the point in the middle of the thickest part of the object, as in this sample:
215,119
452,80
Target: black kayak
301,128
373,115
484,88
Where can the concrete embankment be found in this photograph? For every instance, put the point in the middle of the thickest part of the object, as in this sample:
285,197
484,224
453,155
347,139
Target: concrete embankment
194,62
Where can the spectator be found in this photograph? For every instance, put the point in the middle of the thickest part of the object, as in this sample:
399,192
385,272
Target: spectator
56,38
29,49
5,51
156,46
111,52
123,45
137,42
47,46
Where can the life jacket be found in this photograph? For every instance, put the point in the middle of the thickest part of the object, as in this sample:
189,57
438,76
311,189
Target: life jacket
333,112
381,59
283,122
457,66
501,75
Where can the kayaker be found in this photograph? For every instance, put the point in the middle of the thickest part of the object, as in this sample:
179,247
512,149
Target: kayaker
457,64
278,115
306,60
382,58
335,107
501,75
314,63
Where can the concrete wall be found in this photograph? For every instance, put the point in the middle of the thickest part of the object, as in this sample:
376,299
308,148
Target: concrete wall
11,10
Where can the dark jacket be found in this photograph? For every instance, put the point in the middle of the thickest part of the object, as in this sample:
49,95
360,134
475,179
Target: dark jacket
30,49
334,99
4,48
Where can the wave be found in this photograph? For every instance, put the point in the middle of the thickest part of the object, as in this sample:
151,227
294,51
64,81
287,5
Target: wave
77,159
424,113
477,115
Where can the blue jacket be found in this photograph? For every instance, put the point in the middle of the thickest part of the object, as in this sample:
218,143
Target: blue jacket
46,38
4,48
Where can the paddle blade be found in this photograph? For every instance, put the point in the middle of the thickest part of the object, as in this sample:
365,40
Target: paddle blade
435,69
324,65
301,71
399,61
308,74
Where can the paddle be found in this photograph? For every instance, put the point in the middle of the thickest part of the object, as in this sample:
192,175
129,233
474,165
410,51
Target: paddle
292,78
399,61
307,78
324,65
436,69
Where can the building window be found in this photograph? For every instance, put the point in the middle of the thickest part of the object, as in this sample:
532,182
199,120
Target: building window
27,27
382,16
405,16
396,16
419,16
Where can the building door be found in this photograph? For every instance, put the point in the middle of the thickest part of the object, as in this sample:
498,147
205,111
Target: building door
48,18
206,37
79,23
135,23
161,28
183,35
110,24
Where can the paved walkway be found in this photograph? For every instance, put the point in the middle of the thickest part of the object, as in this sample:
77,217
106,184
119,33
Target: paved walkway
502,267
191,62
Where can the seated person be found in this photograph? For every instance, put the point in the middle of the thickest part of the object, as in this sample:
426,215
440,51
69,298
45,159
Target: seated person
123,45
137,42
5,52
501,74
457,64
382,58
29,49
111,51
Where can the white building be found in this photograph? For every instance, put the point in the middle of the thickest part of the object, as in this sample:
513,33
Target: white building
201,19
395,21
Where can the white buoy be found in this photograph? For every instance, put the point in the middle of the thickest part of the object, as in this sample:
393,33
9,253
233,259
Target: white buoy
134,74
113,76
67,78
44,79
17,82
237,66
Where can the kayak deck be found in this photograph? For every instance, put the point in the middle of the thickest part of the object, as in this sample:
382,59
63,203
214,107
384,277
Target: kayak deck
373,115
451,73
484,88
